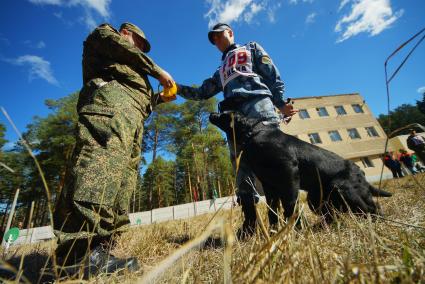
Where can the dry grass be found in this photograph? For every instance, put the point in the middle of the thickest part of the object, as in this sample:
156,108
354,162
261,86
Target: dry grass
353,249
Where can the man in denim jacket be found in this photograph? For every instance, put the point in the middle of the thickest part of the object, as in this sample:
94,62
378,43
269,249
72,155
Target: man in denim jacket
251,85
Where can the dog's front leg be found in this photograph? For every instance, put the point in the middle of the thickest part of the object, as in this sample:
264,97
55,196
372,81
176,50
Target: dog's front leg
272,199
247,202
289,194
273,202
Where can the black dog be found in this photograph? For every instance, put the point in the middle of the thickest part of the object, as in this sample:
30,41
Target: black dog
285,164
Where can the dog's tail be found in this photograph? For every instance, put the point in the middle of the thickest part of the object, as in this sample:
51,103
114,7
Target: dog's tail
378,192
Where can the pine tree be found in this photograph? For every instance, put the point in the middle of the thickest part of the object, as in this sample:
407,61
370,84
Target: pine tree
160,177
400,117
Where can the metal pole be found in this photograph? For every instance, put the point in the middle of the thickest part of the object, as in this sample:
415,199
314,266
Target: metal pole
12,211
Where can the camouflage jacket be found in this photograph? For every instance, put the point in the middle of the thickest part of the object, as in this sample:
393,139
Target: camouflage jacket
108,56
245,71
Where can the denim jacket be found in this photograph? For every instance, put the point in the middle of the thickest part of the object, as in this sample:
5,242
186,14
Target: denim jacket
246,72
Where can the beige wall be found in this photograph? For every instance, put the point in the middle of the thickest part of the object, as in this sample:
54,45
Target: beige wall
354,149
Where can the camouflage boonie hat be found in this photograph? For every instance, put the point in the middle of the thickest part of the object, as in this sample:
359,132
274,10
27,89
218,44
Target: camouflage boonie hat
135,29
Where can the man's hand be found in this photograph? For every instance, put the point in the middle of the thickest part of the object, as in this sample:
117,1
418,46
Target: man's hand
288,110
167,99
165,79
169,94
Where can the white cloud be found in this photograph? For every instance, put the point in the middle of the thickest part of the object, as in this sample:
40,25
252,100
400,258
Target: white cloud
366,16
343,3
295,2
38,68
421,90
229,11
50,2
38,45
311,18
101,7
271,11
41,44
254,9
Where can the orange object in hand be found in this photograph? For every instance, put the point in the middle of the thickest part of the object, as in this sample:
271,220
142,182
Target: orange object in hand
169,94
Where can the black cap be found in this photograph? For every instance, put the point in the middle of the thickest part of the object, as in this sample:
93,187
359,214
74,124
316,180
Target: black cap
220,27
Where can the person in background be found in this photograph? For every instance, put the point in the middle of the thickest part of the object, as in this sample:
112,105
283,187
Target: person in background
416,143
393,165
420,168
407,161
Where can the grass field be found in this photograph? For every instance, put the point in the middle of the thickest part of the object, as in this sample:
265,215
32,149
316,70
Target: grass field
204,249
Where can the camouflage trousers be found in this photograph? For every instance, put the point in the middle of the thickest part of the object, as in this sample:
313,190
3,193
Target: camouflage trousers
94,203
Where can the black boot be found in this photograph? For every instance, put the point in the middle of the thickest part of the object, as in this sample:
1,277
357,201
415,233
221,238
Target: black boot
100,261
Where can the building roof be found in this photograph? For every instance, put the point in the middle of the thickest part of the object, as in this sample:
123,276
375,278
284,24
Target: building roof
319,97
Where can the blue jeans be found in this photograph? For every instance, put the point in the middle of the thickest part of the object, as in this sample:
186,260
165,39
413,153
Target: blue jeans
261,108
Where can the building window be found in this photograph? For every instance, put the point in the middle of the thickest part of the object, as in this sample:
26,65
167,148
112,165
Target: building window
340,110
353,133
304,114
334,134
321,111
367,163
314,138
371,132
357,108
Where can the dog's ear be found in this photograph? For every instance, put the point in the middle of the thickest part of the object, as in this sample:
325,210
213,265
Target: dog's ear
378,192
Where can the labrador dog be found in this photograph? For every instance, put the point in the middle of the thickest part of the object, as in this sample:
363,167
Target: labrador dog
285,164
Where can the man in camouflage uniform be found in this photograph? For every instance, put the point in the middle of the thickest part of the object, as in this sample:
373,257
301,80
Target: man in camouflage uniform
251,85
114,102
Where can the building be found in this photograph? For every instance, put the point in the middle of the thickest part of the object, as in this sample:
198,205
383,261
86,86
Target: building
342,124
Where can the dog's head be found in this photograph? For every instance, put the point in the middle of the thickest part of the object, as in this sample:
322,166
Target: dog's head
354,191
235,122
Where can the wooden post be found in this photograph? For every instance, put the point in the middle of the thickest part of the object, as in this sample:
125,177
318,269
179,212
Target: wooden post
174,217
12,211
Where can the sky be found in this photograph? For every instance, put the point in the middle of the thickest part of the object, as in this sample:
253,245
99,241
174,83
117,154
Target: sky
321,47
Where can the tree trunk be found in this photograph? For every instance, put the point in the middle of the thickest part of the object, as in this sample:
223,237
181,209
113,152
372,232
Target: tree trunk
207,180
159,195
28,209
154,152
43,212
190,183
155,144
197,170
